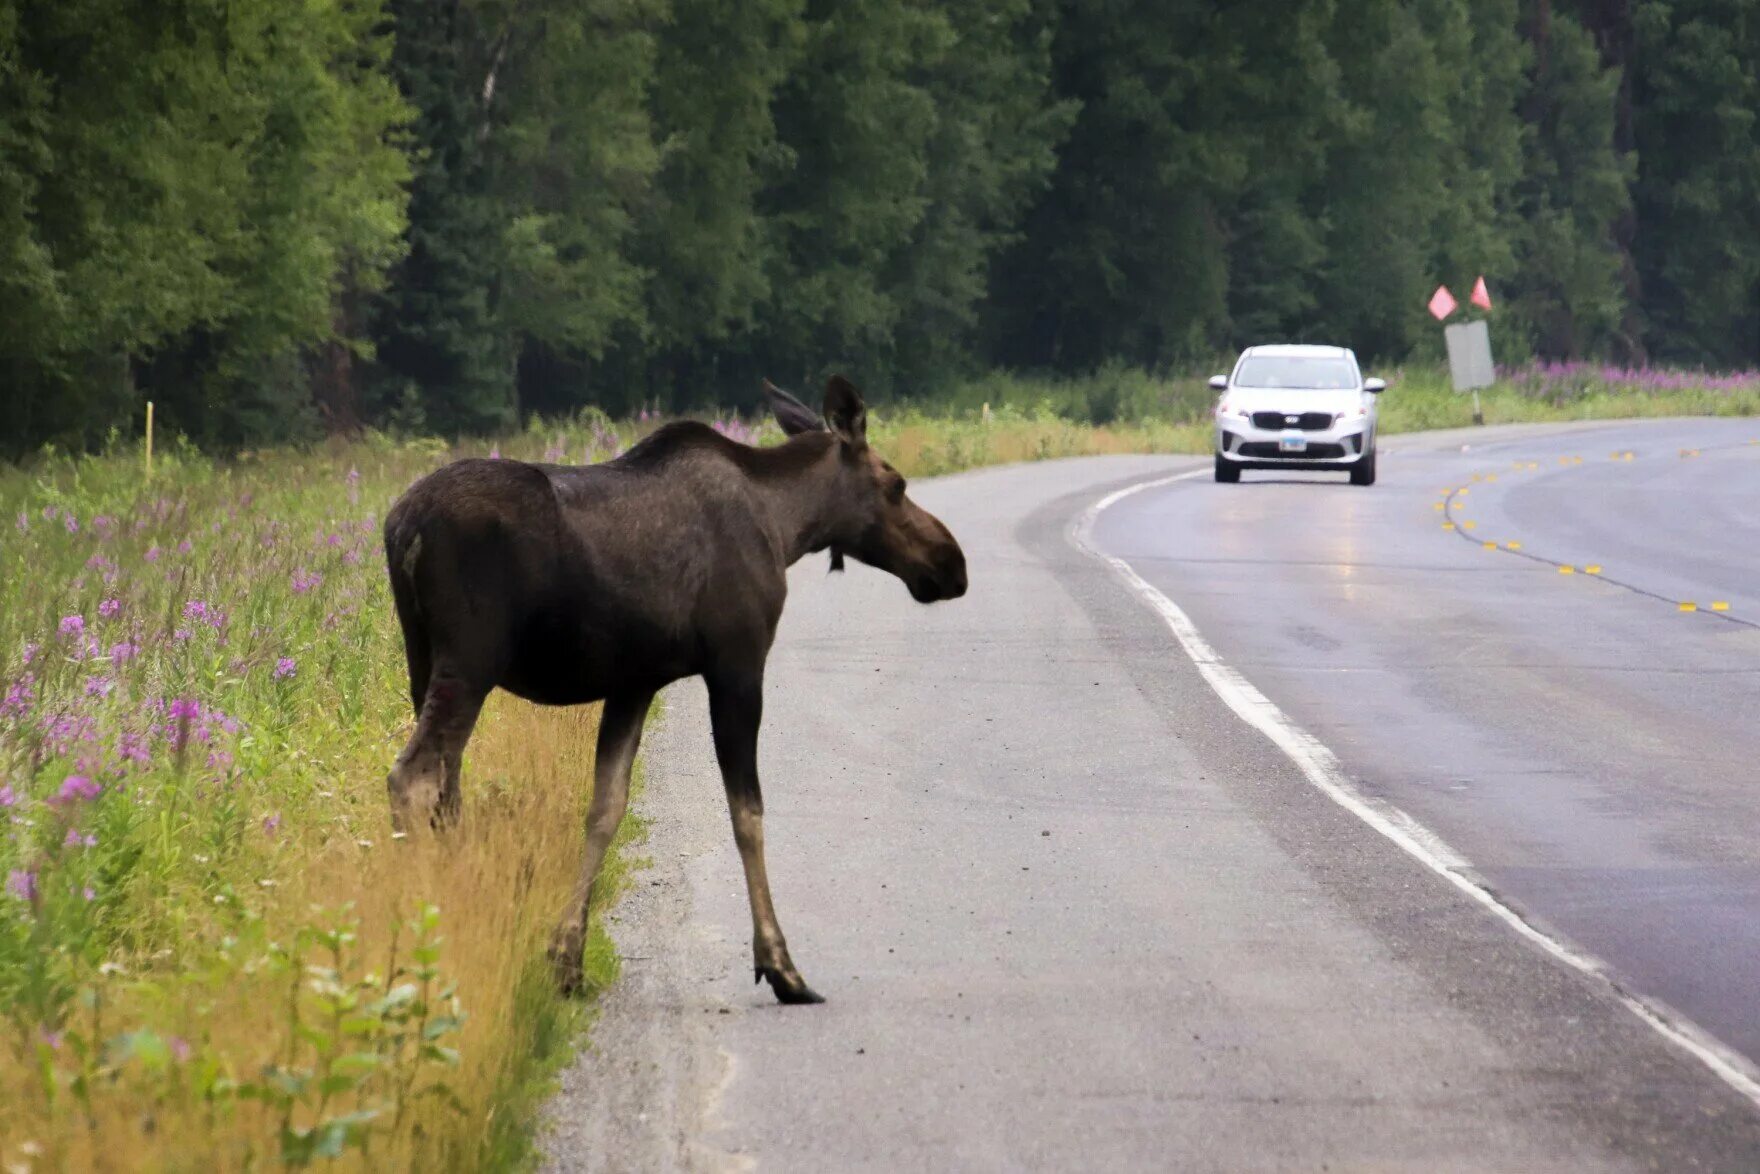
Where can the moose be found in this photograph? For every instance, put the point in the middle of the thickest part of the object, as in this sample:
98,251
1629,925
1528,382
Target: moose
567,585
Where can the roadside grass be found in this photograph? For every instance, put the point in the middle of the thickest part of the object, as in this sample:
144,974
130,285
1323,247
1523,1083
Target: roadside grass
213,955
1128,410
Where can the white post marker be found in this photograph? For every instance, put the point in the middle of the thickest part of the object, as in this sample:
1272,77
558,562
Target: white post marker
1469,360
149,440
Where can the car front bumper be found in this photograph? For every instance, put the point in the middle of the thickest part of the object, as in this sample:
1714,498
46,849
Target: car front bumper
1239,441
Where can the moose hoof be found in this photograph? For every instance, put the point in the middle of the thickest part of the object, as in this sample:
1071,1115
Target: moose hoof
565,966
790,987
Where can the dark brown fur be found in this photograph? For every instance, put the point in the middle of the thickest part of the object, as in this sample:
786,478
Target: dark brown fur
566,585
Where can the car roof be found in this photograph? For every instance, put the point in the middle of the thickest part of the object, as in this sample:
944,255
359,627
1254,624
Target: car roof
1290,350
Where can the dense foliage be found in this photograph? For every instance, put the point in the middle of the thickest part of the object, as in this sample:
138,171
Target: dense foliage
273,216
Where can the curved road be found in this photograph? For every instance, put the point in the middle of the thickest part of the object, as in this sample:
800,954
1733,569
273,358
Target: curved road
1072,912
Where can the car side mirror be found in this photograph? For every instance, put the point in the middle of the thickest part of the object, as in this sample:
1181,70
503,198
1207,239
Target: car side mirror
1218,383
1377,386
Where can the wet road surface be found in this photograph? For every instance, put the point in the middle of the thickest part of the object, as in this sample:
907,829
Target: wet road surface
1072,913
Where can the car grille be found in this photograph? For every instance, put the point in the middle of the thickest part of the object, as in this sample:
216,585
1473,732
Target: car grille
1305,421
1255,450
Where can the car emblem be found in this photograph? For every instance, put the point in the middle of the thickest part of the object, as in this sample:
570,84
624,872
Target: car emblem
1291,419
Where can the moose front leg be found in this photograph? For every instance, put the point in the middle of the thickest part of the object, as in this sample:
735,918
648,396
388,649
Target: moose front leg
736,706
620,734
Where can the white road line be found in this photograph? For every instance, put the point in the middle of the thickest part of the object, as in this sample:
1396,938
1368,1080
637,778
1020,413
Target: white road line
1322,768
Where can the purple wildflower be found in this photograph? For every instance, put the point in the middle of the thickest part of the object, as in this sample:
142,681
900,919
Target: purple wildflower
184,547
24,522
304,580
76,840
133,748
179,1048
124,650
30,652
72,524
109,608
495,452
22,883
75,789
285,668
271,823
8,797
89,893
19,696
153,553
195,609
180,635
73,625
99,686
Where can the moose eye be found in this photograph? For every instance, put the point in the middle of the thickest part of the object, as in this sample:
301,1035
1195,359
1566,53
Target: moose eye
895,491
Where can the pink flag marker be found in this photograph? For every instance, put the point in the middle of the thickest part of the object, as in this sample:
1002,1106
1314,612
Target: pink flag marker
1481,296
1442,303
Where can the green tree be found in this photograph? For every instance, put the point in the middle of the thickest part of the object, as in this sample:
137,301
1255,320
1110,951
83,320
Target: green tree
189,223
1696,95
1569,291
533,148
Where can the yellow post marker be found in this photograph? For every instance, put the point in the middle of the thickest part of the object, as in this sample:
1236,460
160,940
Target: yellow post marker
1720,605
1592,569
149,439
1513,545
1689,606
1567,570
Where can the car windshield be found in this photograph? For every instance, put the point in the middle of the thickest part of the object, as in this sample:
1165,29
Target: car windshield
1288,371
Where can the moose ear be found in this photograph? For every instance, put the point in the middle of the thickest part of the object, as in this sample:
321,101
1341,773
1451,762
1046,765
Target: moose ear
845,413
794,416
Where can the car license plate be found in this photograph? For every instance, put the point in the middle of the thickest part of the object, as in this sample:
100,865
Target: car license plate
1290,443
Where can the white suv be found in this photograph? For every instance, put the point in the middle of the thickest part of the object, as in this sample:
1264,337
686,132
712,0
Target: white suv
1296,407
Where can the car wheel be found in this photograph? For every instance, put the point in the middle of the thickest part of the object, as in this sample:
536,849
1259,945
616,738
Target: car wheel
1363,472
1227,471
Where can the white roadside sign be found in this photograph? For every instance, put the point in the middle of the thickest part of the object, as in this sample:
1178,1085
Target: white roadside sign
1469,355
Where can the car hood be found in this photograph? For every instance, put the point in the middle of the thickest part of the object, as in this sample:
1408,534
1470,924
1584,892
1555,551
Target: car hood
1292,399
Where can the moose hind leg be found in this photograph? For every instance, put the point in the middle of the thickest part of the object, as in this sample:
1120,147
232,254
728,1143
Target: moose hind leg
735,711
424,784
620,735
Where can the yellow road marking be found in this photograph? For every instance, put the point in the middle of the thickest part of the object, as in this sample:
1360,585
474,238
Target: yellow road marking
1720,605
1689,606
1513,545
1592,569
1567,570
1491,546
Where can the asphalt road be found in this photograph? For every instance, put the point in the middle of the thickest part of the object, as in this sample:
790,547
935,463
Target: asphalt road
1071,912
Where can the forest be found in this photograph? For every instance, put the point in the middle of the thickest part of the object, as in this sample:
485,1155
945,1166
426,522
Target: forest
281,218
